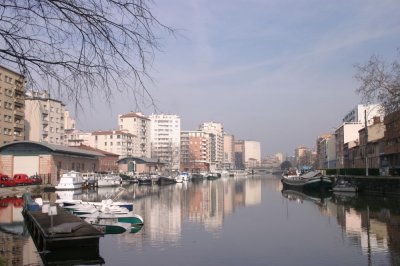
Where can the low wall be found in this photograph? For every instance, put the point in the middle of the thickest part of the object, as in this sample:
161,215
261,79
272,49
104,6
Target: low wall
383,185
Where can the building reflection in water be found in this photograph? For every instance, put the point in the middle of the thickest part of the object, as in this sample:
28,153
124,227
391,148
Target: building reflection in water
369,222
17,247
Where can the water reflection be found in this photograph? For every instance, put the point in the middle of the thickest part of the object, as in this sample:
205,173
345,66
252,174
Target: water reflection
367,224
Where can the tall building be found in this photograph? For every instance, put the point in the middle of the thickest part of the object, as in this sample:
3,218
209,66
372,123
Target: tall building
114,141
138,125
69,122
12,90
194,151
165,135
252,153
238,148
44,118
229,158
216,135
326,151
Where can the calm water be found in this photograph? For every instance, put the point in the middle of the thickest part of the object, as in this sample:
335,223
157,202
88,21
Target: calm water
236,221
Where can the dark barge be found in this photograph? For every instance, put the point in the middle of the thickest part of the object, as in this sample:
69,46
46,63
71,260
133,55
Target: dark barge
76,242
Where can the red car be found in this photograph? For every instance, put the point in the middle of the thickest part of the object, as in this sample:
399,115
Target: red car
37,180
22,179
6,181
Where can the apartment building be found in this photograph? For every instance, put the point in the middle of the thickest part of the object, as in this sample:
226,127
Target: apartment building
165,135
138,125
363,112
229,158
44,118
119,142
216,135
12,90
345,133
326,151
195,151
76,137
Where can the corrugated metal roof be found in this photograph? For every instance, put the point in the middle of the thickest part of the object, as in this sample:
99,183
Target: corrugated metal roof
54,148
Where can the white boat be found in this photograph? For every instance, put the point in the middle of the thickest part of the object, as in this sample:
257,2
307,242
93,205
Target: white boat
109,180
70,181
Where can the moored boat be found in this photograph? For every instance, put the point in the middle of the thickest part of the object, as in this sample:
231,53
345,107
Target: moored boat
344,186
309,181
70,181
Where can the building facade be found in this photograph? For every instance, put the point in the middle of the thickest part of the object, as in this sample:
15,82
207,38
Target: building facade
44,118
195,151
138,125
216,135
76,137
357,114
252,153
229,158
119,142
165,136
345,133
12,105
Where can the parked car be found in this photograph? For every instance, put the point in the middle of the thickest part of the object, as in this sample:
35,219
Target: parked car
22,179
37,180
6,181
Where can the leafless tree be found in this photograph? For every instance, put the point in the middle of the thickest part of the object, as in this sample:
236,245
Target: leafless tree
79,47
380,83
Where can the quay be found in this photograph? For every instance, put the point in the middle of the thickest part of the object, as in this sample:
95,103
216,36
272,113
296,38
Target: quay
63,236
378,185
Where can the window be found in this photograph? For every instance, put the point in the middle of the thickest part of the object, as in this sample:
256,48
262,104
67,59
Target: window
105,143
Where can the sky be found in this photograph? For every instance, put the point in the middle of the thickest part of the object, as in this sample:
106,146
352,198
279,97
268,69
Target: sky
278,72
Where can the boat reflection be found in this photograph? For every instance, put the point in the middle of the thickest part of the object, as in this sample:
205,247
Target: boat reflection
318,197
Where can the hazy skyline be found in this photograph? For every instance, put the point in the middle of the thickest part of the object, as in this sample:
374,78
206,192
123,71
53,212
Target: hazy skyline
279,72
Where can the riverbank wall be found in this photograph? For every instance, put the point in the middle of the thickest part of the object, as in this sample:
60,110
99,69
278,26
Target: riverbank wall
381,185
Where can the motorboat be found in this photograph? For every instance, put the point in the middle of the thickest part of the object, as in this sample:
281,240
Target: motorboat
70,181
345,186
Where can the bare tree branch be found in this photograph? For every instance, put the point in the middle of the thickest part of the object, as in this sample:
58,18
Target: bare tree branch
380,83
79,47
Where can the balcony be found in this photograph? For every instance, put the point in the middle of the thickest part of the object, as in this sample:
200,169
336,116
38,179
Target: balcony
19,112
19,101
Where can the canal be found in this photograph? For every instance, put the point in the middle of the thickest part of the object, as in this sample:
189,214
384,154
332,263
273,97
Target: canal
233,221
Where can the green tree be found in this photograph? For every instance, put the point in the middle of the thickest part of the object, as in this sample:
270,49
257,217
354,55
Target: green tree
79,47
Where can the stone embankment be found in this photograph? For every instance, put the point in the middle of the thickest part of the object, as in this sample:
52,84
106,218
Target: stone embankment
383,185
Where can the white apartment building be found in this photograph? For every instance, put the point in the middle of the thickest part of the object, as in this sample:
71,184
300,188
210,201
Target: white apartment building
216,135
76,137
165,135
119,142
138,125
12,89
326,151
252,153
357,114
44,118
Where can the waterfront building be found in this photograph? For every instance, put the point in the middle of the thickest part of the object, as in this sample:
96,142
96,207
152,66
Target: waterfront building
303,156
228,151
44,118
390,156
107,162
326,151
252,153
165,136
139,125
238,147
195,151
120,142
345,133
47,160
216,135
279,156
12,106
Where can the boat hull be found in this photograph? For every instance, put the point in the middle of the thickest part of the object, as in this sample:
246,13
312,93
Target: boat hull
317,183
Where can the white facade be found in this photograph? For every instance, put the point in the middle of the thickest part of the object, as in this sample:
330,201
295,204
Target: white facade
165,135
229,159
216,133
252,153
76,137
69,122
347,132
357,114
138,125
44,118
115,141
